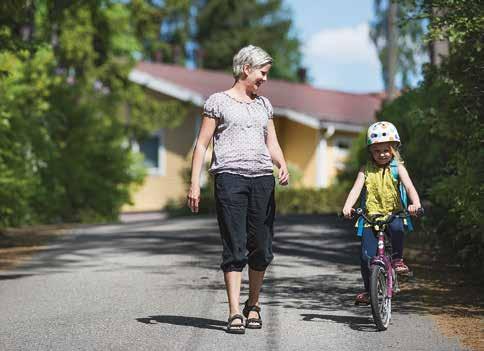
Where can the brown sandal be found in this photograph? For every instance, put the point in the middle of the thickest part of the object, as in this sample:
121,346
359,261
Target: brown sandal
252,323
235,328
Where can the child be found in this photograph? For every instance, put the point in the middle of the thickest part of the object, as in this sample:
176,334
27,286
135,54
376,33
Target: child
382,196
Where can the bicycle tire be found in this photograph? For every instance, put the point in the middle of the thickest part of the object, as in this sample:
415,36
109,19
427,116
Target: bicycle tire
381,305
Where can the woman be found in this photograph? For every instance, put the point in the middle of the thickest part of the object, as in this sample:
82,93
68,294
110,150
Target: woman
245,147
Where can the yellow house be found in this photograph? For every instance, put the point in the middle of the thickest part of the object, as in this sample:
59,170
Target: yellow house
315,128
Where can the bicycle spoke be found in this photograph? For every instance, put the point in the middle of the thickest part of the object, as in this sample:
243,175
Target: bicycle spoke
381,303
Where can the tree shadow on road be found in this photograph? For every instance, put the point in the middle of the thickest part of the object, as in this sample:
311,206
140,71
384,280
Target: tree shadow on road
196,322
356,323
314,240
13,276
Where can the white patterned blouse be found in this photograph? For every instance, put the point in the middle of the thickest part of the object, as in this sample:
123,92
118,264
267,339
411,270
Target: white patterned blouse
239,141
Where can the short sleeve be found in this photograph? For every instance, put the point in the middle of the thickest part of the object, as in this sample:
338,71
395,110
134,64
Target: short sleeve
211,108
268,106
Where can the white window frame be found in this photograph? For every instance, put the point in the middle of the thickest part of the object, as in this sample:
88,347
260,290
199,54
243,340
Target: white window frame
341,153
161,169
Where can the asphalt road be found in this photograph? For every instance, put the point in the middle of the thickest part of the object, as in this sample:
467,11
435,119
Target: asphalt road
154,284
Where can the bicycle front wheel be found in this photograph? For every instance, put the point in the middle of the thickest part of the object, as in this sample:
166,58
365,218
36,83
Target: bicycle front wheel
381,304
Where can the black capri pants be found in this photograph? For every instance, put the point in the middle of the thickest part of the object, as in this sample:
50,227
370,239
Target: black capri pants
245,213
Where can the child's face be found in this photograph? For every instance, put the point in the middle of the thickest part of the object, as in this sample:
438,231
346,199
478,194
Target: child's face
381,153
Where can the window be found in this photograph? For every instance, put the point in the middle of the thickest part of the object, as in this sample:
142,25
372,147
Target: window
341,148
153,152
342,144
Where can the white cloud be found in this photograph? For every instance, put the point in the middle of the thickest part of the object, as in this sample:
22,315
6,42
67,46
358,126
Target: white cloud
347,45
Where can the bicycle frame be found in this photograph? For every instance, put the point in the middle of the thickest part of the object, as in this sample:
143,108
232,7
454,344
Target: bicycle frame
383,260
383,280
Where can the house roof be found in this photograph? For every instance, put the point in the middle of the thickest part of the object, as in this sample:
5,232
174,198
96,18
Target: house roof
318,108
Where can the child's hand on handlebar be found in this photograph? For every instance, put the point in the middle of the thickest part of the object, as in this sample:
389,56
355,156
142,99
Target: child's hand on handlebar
348,212
414,209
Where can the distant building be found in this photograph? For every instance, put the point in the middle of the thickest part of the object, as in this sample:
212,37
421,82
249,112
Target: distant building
315,127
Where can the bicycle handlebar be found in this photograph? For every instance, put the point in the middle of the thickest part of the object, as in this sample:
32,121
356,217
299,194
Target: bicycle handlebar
399,214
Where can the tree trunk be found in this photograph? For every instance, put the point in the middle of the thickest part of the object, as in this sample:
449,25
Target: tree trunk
438,49
392,47
28,28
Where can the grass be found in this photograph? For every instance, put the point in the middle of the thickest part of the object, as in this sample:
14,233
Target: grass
452,295
19,244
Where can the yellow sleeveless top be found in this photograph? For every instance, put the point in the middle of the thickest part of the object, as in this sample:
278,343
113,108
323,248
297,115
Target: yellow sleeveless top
381,190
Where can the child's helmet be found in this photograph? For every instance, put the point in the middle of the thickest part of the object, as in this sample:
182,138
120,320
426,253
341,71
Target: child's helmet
382,132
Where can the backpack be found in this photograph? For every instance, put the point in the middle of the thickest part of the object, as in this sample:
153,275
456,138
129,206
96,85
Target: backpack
403,198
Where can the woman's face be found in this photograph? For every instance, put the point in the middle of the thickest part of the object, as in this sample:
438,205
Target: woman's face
381,153
256,76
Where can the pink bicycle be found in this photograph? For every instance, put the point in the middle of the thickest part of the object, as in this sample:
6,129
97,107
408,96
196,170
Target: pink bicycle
383,280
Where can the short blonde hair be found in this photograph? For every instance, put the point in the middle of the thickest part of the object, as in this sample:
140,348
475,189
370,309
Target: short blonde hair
250,55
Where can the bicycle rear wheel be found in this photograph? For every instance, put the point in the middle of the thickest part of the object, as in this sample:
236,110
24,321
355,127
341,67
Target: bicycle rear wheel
381,305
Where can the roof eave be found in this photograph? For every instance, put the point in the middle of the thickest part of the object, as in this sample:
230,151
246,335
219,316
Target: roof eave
165,87
316,123
168,88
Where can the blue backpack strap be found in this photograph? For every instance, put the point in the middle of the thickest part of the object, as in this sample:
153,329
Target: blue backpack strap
402,191
394,170
361,221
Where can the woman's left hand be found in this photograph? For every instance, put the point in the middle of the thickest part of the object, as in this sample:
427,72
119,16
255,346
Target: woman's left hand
283,175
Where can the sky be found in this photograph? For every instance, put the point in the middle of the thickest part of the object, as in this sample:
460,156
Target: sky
336,46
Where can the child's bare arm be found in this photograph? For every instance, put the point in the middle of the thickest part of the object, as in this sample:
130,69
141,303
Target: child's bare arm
412,192
354,193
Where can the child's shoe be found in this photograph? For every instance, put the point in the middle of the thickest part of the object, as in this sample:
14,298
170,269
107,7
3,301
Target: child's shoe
399,266
362,298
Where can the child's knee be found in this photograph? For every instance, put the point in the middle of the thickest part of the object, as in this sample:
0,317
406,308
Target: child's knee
396,227
364,256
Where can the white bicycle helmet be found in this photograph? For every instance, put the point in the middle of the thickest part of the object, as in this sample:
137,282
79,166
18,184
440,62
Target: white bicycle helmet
382,132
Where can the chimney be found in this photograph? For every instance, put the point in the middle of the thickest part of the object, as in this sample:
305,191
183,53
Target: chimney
177,54
158,56
302,74
199,54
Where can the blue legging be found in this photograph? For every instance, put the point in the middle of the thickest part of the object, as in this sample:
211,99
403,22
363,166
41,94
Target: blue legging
369,244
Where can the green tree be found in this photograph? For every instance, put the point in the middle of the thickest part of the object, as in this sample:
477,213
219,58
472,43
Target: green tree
441,127
63,91
163,28
398,42
223,27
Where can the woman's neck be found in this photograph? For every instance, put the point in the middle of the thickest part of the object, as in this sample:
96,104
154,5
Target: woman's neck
241,91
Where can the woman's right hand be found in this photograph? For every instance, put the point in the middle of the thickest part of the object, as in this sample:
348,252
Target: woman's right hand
193,198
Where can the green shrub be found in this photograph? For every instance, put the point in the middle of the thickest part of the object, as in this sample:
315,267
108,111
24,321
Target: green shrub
308,201
441,127
289,199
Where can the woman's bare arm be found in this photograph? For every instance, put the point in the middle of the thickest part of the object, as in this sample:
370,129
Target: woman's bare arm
276,153
203,140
